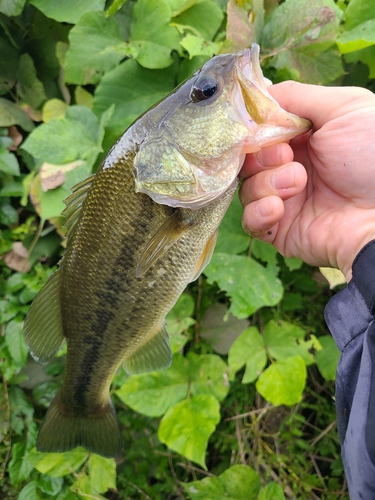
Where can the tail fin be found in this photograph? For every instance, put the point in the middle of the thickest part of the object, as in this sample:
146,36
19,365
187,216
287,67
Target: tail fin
63,430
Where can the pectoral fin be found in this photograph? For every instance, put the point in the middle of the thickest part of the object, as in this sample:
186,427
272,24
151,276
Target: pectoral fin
43,329
205,258
154,354
164,238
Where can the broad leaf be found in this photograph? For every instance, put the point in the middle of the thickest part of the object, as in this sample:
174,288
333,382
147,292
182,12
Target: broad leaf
63,140
328,357
29,87
50,485
196,46
68,11
283,382
152,394
102,473
87,62
152,34
30,492
12,7
357,12
304,47
203,19
19,468
232,238
208,375
57,464
133,89
10,114
187,426
283,340
249,285
272,491
236,483
15,342
179,320
247,350
358,38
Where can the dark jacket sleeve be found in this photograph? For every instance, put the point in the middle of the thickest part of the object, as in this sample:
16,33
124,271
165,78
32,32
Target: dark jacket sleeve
350,318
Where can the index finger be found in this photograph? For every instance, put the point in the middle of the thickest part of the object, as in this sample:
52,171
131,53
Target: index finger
320,104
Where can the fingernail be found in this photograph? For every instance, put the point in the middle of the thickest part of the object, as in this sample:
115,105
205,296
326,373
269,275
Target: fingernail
283,179
264,208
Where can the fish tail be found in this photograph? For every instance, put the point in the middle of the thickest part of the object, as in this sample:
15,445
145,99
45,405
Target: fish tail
63,430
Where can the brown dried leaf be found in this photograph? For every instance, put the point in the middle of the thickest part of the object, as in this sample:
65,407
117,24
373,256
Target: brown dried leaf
16,136
17,258
240,30
53,176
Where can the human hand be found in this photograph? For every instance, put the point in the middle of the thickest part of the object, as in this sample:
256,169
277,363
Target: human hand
315,198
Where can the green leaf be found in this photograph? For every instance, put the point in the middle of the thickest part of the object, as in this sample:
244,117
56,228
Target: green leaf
247,350
10,114
68,11
283,382
54,108
15,342
305,47
196,46
232,238
283,340
63,140
30,492
208,375
57,464
21,412
272,491
152,34
12,7
9,163
19,468
178,320
133,89
50,485
266,253
357,12
87,62
328,357
152,394
178,6
367,56
29,87
187,426
102,472
203,19
236,483
249,285
358,38
292,263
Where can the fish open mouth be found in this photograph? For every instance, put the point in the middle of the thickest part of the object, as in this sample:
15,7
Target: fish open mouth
277,124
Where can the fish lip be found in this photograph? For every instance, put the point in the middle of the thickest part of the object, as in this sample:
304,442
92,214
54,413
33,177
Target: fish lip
284,123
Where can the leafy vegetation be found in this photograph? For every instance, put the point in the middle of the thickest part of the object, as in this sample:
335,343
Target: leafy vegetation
246,410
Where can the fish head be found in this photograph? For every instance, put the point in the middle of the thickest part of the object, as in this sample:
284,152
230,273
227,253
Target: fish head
200,134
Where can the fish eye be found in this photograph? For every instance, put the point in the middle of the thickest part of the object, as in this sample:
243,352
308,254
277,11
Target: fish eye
204,88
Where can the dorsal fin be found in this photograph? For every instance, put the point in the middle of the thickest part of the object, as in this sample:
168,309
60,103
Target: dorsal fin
74,203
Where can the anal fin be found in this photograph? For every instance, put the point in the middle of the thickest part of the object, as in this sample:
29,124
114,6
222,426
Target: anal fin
205,258
154,354
43,329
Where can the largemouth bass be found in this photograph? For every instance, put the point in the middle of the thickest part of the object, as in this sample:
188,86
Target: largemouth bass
139,231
